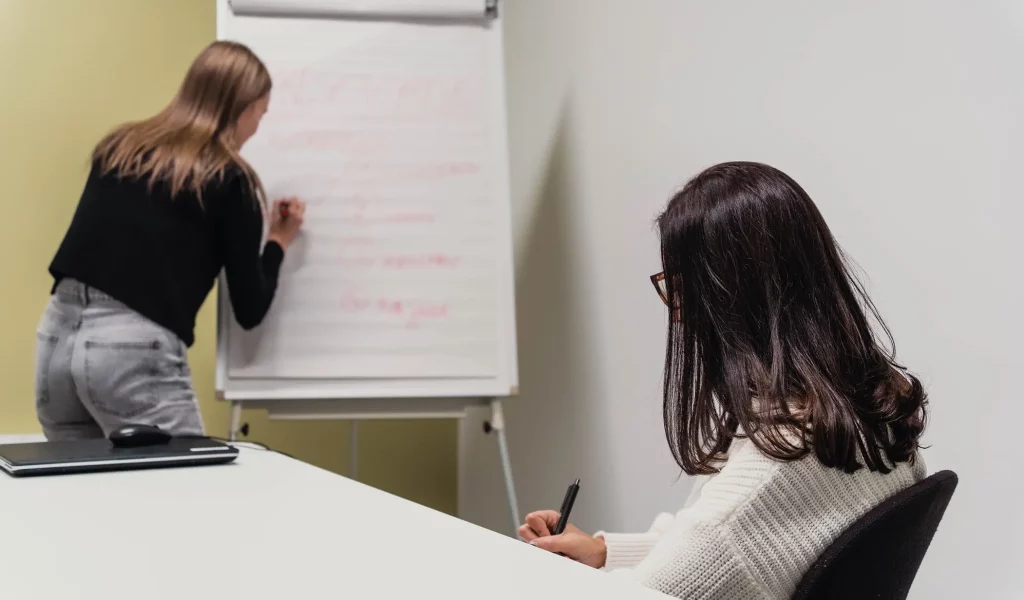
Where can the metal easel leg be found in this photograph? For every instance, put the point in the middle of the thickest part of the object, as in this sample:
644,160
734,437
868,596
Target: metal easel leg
497,425
236,420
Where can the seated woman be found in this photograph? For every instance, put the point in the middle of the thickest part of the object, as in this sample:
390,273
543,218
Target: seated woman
776,387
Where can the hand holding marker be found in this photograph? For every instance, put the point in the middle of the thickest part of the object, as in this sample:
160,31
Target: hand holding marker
286,219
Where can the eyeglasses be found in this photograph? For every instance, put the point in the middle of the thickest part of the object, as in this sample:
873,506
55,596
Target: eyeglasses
658,279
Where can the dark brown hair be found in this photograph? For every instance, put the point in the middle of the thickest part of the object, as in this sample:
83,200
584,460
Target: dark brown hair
769,337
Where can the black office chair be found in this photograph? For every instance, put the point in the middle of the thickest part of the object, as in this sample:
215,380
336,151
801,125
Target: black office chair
878,556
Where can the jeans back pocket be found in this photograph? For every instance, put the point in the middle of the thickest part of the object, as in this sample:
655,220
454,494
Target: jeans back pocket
129,372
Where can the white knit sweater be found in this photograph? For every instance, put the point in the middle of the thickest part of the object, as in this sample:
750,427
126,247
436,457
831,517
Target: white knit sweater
752,530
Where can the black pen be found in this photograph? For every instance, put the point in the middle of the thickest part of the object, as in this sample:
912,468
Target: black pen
570,498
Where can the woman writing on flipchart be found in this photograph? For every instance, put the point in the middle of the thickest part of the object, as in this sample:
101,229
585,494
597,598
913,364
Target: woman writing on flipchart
776,387
168,204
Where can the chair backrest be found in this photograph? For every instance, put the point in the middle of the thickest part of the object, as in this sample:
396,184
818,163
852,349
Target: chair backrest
878,556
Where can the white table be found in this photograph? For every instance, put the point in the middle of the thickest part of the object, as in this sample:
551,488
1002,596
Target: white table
265,527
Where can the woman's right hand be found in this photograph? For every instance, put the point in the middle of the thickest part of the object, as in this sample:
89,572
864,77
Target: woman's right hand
573,542
286,219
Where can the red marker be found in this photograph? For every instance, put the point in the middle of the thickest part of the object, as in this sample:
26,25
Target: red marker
284,211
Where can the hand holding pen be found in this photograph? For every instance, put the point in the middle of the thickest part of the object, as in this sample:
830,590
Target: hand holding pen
550,530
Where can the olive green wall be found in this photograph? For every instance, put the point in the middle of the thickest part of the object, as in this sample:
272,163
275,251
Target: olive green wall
70,70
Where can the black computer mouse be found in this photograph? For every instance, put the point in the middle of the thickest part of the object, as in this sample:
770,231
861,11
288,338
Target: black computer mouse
131,436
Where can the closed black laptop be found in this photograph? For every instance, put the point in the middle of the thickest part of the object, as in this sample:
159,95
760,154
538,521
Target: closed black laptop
51,458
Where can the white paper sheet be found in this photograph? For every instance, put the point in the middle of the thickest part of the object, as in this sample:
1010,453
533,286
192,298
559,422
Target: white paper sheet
397,9
383,129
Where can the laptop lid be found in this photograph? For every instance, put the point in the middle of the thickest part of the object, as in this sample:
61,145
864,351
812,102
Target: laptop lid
49,458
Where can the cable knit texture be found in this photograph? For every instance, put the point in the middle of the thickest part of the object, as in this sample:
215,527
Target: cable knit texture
754,529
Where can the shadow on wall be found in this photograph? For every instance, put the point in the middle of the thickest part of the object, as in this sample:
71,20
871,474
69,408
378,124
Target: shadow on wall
553,437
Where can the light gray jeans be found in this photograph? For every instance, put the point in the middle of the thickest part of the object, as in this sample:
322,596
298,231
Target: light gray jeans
101,365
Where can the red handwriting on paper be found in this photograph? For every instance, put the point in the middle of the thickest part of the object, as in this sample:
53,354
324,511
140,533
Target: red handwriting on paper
408,172
399,261
356,262
359,209
363,174
396,95
374,177
412,312
354,304
357,241
409,312
408,217
430,311
347,142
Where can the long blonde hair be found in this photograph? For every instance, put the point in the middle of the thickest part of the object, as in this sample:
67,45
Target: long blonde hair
191,142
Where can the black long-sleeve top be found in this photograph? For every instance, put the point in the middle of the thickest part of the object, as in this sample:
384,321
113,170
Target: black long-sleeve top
160,255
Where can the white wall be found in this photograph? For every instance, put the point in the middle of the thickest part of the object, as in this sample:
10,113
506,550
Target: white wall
903,121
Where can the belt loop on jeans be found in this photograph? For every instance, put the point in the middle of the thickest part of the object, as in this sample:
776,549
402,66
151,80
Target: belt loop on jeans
85,290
